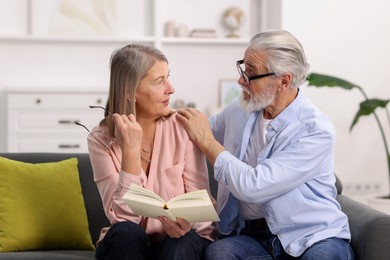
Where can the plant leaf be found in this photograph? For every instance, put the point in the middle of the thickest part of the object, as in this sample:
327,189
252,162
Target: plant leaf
321,80
368,107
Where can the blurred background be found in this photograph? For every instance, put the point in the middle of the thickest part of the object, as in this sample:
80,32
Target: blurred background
50,48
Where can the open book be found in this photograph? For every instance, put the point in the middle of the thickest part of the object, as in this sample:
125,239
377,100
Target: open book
194,206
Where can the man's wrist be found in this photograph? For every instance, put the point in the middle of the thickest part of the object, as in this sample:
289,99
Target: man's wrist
211,148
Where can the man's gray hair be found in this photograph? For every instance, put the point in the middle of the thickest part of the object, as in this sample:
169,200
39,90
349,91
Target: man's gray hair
284,54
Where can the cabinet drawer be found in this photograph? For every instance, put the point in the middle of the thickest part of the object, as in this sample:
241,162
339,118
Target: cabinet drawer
43,100
27,121
55,145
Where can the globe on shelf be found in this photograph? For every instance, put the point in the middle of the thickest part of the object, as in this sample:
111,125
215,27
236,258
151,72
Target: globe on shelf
233,19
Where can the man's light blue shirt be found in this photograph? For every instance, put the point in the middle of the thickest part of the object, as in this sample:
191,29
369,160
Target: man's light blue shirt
293,178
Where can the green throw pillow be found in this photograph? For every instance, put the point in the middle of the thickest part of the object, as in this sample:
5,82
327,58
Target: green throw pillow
41,207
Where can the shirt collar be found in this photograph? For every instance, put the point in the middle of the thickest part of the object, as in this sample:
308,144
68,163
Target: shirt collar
290,113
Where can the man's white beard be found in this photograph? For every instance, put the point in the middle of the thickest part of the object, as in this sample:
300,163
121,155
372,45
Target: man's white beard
256,103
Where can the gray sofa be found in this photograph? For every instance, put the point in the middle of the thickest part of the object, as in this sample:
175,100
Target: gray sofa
370,228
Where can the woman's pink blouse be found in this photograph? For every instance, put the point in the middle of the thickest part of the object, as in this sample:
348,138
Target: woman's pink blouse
177,166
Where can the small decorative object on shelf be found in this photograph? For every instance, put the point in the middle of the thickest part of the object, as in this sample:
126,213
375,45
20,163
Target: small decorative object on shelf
191,104
203,33
170,29
212,110
178,103
233,19
182,30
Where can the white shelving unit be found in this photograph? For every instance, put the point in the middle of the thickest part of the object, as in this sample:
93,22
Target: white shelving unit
33,59
257,18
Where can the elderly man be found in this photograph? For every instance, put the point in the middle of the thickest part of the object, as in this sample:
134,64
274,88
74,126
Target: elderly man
273,156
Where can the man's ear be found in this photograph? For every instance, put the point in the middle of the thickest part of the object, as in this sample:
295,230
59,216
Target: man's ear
285,82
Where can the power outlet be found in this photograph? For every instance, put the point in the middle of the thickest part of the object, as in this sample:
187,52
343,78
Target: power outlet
362,187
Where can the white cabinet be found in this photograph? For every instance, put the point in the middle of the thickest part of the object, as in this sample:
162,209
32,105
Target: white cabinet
44,121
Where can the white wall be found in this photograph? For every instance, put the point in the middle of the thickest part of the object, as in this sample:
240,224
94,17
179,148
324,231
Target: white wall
349,39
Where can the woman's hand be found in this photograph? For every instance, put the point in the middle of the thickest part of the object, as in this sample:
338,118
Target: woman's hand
175,229
128,134
127,131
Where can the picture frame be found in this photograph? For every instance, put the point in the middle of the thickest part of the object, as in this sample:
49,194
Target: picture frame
229,89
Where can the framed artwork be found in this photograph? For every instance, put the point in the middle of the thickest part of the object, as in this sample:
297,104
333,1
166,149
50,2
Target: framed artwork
228,90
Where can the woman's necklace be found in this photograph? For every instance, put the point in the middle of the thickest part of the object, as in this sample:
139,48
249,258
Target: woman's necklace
146,155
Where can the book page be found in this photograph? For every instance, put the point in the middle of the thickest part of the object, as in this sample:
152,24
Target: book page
144,194
198,197
151,210
194,206
199,213
145,202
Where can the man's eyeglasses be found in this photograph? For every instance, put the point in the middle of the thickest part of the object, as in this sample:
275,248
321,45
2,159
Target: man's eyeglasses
249,78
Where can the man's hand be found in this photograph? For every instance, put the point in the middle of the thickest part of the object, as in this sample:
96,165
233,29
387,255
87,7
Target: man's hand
175,229
196,124
198,129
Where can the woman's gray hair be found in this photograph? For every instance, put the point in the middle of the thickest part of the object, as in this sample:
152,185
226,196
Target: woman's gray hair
128,66
284,54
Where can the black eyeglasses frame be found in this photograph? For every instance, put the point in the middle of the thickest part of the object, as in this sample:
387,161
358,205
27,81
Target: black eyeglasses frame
247,78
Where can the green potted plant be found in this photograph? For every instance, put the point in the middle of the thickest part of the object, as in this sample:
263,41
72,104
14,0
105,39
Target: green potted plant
367,107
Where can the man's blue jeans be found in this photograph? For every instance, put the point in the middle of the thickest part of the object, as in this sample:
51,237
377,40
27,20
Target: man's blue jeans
268,247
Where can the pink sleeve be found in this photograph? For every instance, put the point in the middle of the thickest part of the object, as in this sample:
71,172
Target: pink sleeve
196,177
112,183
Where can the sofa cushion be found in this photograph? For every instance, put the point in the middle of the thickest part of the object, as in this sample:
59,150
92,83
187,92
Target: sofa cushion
49,255
42,207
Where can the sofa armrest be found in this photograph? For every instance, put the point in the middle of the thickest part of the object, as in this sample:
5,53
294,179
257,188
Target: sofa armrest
370,229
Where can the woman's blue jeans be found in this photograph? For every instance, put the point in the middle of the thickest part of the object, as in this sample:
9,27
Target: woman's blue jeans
265,246
127,240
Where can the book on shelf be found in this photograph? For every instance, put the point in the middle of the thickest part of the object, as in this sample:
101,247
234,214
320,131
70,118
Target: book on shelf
194,206
203,33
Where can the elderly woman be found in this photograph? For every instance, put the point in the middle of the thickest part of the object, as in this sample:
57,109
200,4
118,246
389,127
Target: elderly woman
139,142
